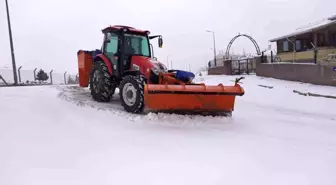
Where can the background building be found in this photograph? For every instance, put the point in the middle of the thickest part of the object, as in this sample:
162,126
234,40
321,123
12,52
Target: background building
299,46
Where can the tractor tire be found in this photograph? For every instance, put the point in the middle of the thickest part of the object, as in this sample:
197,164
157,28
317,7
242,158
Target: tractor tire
101,86
132,94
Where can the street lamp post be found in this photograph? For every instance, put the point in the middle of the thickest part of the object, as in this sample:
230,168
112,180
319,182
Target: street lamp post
214,42
11,45
168,61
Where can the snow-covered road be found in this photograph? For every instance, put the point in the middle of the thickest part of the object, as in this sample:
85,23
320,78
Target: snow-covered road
58,135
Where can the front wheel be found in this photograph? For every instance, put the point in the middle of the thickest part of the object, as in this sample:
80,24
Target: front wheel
132,94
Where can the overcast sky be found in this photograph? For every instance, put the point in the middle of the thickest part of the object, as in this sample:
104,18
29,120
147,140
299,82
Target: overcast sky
48,33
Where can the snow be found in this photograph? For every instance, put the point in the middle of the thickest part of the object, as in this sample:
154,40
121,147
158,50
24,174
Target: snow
59,135
308,28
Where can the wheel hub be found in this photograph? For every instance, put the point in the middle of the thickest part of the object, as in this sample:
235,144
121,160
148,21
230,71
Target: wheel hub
129,94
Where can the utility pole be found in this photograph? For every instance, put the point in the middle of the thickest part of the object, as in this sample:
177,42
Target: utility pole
214,42
11,45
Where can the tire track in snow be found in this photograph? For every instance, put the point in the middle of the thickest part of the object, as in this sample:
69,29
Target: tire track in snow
82,98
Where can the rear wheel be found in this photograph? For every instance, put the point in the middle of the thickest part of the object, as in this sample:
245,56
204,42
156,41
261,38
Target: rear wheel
132,94
101,86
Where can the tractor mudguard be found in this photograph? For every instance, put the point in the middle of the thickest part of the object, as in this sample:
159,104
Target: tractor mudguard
105,60
131,72
135,73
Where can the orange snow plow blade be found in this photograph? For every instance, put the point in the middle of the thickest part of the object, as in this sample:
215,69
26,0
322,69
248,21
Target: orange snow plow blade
194,98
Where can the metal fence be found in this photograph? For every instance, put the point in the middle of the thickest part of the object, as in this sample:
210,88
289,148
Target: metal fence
234,67
272,57
28,77
219,62
243,66
269,57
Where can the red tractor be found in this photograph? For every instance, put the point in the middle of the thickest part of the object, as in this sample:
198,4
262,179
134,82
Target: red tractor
126,61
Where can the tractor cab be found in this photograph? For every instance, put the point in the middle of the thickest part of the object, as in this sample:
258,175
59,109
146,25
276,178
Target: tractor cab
122,45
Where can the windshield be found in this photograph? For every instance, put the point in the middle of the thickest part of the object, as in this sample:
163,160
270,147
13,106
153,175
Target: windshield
136,45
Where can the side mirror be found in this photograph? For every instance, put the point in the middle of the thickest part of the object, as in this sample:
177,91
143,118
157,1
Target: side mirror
160,42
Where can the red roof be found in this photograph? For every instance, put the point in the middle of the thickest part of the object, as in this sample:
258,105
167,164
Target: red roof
119,27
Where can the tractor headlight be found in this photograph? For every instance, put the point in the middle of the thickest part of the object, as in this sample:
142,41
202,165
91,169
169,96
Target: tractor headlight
164,68
156,70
